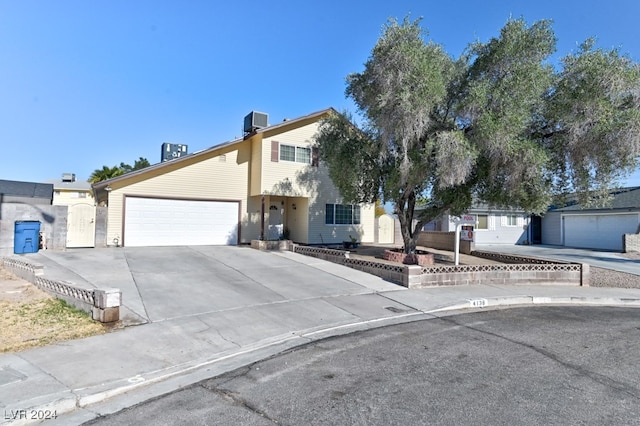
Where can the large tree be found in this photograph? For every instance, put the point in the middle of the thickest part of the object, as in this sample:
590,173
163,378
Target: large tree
499,124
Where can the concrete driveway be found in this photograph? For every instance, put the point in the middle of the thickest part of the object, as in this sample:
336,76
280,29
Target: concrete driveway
600,259
164,283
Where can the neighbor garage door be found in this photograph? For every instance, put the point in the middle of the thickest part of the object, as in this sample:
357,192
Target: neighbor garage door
598,231
166,222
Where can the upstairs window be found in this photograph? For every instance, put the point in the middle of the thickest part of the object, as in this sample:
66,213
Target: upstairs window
294,154
297,154
303,155
342,214
287,153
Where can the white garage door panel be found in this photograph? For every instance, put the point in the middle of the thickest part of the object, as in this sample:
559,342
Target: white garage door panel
160,222
598,231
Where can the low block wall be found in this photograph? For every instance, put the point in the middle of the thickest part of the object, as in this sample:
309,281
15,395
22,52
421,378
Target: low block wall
513,274
271,245
444,241
332,255
102,304
631,243
394,273
536,272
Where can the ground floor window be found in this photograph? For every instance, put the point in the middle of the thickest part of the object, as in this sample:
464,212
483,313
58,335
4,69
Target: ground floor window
342,214
512,220
482,221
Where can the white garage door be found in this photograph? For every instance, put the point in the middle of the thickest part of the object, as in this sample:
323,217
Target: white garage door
598,231
163,222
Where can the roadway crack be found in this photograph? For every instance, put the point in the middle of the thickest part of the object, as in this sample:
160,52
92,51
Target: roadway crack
596,377
235,399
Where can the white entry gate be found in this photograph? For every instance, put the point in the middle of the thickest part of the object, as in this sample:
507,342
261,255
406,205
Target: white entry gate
81,226
386,229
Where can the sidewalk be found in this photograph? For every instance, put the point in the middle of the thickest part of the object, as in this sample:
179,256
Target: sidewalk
81,379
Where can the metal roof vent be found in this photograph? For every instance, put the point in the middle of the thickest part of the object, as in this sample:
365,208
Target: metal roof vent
255,120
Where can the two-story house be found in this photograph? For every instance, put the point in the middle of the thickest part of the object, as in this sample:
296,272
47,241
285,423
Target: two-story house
267,185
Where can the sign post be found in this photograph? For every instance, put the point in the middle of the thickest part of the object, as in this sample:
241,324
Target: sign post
463,220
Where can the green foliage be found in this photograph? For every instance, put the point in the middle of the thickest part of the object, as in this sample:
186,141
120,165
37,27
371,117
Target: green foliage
140,163
498,124
107,172
594,117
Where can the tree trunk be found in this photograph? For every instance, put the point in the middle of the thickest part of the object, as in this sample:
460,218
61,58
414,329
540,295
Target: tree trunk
404,210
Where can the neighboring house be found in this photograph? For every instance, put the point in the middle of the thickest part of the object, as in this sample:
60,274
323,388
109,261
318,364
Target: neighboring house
596,228
492,226
268,184
78,197
68,191
31,193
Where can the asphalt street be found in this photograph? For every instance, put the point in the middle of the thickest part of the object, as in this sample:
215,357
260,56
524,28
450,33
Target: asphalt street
526,366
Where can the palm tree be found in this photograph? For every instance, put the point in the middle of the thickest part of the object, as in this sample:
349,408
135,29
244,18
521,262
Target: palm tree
105,173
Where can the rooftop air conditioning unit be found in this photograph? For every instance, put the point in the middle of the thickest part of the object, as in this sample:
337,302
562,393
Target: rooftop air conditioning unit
68,177
255,120
171,151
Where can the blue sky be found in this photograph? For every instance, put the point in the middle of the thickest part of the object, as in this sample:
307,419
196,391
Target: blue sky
90,83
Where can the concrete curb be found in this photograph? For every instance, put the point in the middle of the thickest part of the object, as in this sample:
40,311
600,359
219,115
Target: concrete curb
495,302
194,371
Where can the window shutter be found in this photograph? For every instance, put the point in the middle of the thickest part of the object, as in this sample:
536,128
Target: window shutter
275,151
314,156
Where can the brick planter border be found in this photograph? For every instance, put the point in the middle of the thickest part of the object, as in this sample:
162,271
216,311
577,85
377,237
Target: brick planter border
409,259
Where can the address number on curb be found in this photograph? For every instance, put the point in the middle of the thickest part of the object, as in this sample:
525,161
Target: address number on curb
478,303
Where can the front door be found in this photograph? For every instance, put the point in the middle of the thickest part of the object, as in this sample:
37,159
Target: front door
81,226
276,210
536,229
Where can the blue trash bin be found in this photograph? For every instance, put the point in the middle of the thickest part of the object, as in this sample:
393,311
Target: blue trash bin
26,237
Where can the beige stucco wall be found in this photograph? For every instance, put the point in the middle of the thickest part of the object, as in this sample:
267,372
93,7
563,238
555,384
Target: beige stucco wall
311,184
69,197
286,177
324,193
221,176
256,166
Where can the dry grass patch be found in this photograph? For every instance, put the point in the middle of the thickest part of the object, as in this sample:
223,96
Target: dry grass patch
31,318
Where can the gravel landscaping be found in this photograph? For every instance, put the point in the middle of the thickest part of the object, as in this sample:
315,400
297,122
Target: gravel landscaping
606,278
